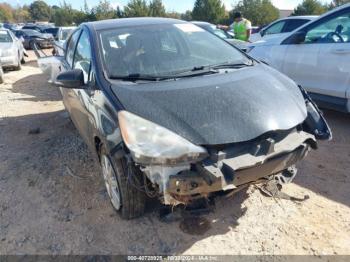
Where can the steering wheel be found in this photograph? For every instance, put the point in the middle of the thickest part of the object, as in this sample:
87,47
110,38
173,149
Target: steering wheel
331,36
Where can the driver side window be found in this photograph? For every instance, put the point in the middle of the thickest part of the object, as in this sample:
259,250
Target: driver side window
334,30
82,56
275,28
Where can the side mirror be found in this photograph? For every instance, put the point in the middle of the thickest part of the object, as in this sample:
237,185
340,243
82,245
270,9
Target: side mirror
71,79
262,33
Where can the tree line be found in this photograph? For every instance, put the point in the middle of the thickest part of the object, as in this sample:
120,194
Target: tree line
259,12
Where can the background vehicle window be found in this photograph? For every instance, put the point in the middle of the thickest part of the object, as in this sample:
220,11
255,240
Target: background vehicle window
5,37
71,47
82,57
293,24
275,28
334,30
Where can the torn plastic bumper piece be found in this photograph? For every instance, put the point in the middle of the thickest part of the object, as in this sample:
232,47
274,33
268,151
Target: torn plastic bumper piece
210,178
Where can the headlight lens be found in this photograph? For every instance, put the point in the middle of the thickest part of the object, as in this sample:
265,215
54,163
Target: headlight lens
150,143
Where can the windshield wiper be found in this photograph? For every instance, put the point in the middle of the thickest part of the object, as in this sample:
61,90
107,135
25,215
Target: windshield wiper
195,71
232,65
139,77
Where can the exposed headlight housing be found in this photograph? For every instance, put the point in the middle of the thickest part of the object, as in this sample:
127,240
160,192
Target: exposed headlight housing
150,143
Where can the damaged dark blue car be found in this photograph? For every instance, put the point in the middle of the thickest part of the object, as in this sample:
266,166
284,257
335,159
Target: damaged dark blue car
174,112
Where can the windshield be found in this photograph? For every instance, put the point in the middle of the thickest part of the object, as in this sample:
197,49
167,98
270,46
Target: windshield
30,32
51,30
5,37
164,50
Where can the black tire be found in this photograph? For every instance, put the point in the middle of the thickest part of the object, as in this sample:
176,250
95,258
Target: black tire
133,200
19,66
31,45
22,60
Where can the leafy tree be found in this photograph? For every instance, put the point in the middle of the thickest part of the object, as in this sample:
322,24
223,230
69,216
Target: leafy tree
120,13
156,8
136,8
259,12
40,11
174,15
6,14
187,16
335,3
21,14
81,17
208,10
104,10
310,7
63,15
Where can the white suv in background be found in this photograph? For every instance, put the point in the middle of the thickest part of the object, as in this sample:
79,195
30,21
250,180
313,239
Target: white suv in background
316,56
281,26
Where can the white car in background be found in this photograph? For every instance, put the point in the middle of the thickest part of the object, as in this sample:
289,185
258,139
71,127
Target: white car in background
281,27
316,56
11,50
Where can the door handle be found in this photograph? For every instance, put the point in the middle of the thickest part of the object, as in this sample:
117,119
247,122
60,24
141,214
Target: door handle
341,51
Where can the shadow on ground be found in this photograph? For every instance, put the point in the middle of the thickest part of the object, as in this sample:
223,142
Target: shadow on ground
326,171
53,200
37,87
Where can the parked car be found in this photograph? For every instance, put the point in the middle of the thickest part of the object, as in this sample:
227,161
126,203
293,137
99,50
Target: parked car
29,37
62,35
316,56
53,31
174,112
281,26
11,50
37,27
222,34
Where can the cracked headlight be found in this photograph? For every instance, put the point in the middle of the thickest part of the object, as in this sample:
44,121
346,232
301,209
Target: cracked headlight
150,143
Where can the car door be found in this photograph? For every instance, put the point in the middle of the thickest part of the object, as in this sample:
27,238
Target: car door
77,100
321,62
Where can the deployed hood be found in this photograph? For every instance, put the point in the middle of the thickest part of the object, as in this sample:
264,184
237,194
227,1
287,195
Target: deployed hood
218,109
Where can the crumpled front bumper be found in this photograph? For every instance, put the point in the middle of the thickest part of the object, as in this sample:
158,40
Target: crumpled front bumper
232,166
210,178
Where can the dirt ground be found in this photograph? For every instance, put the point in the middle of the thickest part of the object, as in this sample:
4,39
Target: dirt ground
53,201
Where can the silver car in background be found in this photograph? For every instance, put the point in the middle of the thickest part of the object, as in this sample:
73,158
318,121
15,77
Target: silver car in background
62,36
11,50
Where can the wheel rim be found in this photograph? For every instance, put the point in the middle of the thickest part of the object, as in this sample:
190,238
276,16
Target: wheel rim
111,182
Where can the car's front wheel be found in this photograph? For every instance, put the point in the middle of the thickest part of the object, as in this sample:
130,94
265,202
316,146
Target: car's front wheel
19,65
123,184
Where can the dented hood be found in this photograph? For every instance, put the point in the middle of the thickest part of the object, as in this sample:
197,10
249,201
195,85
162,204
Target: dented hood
218,109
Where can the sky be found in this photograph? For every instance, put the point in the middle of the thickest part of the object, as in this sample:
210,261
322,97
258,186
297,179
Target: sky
170,5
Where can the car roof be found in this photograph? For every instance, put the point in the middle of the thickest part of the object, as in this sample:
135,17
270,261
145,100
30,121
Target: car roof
201,23
308,17
126,22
